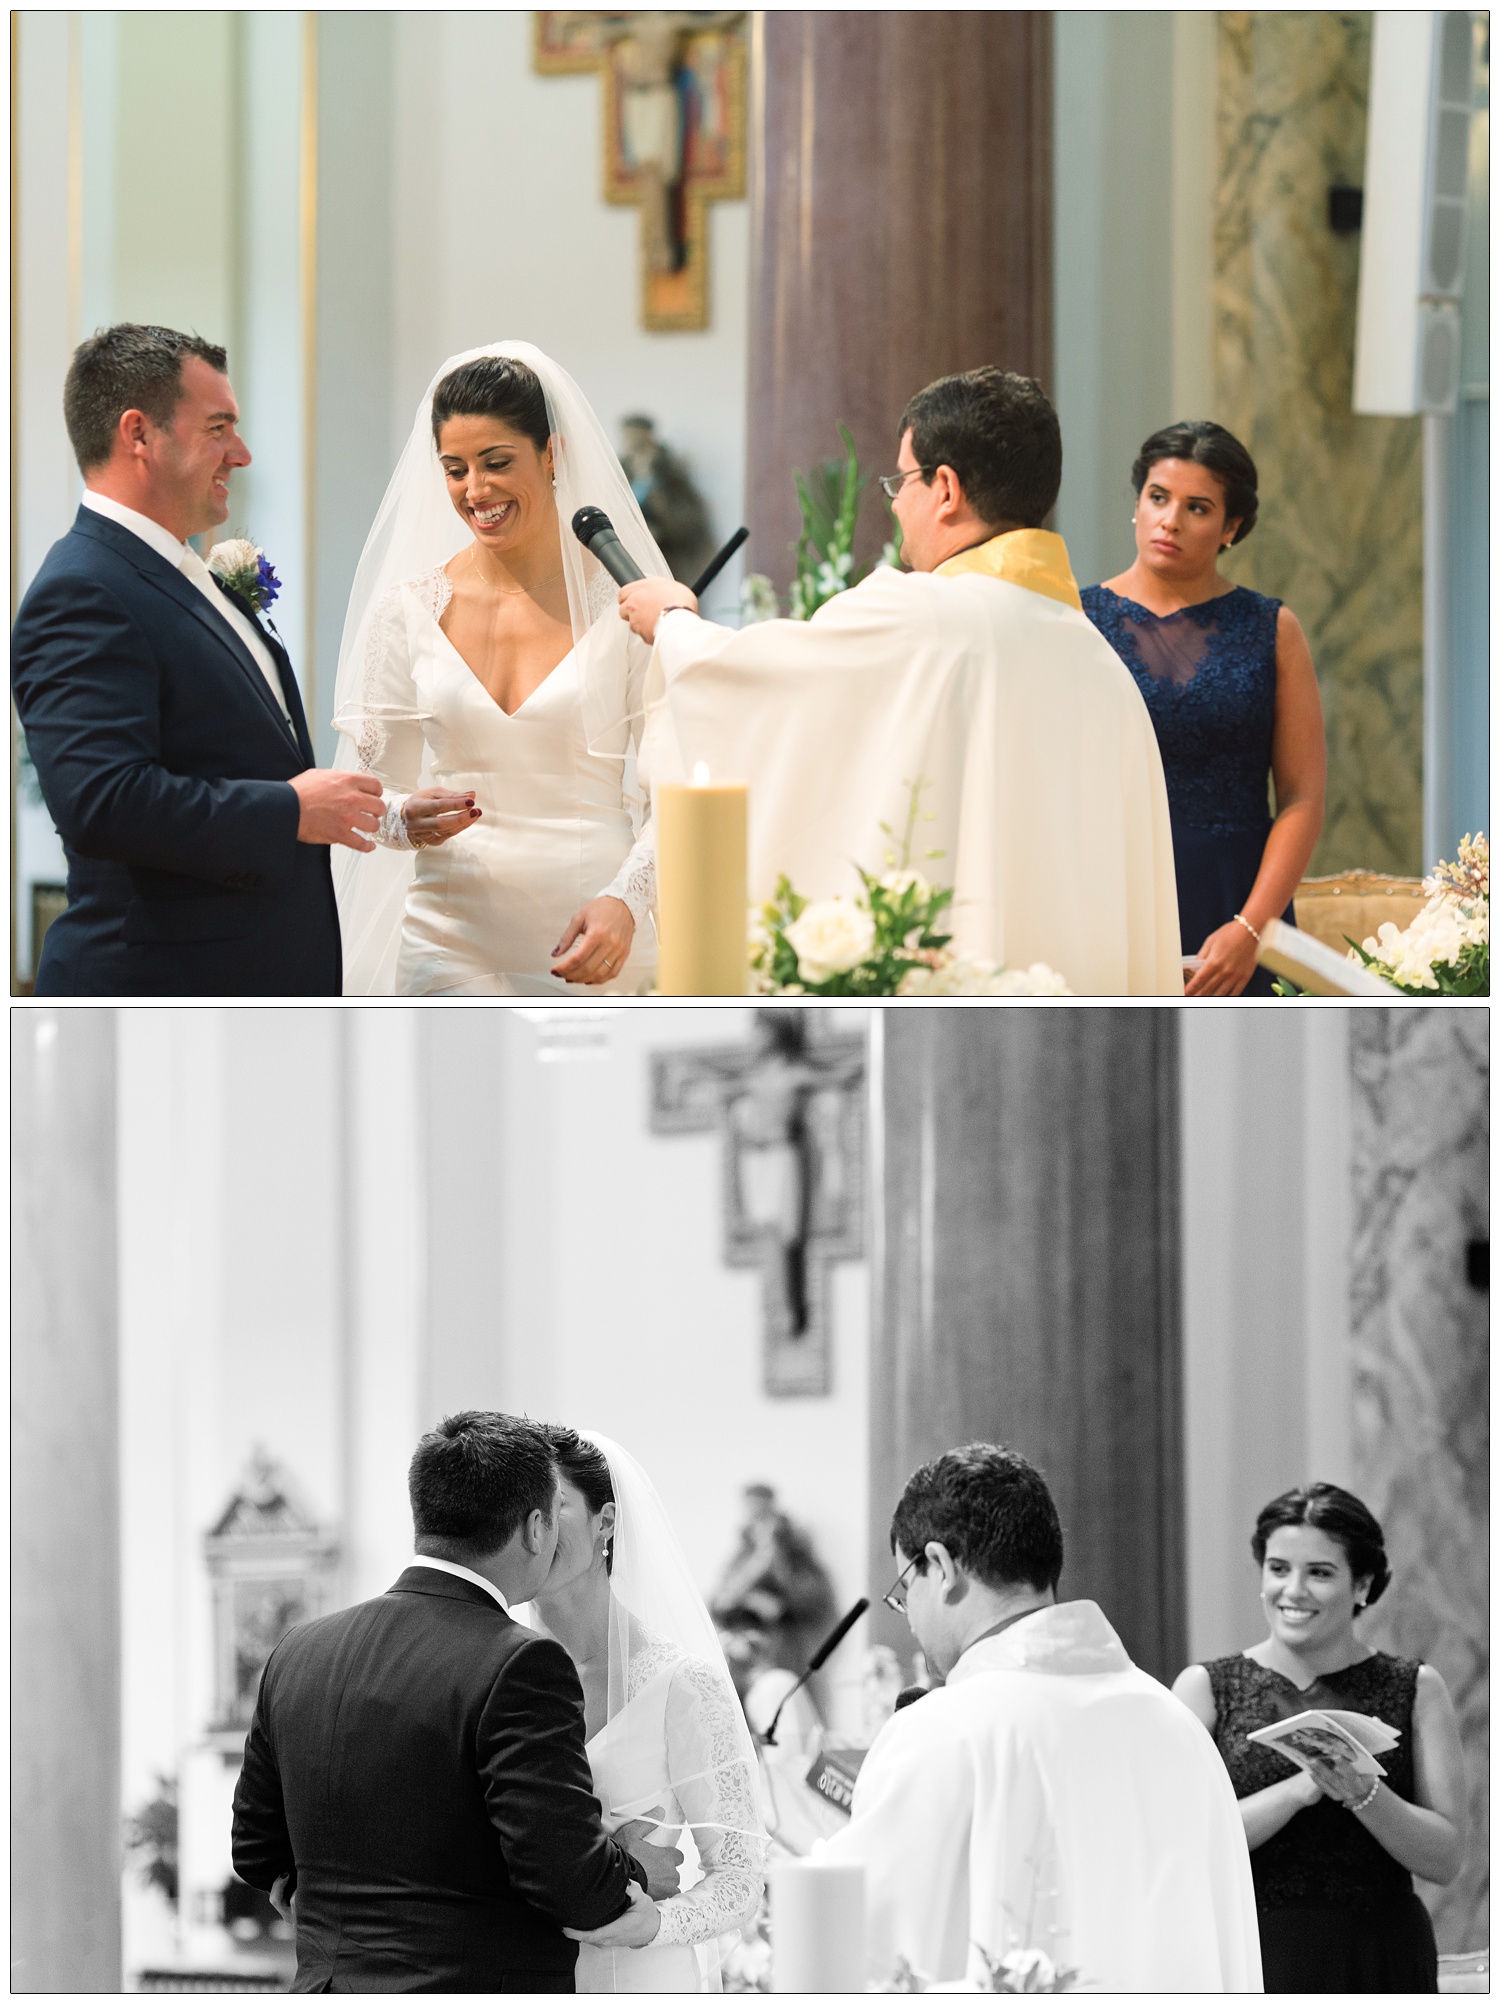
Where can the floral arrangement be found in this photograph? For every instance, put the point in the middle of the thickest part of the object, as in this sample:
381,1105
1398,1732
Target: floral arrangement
829,501
244,569
886,941
1446,948
1024,1972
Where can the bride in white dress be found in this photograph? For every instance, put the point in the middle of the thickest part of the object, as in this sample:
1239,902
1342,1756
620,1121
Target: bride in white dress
667,1740
486,681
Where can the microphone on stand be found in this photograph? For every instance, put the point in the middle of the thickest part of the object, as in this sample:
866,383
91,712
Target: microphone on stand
596,532
701,583
815,1663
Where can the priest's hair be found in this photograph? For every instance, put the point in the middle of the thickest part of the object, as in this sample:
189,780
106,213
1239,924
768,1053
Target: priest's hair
992,1511
474,1481
1339,1515
999,434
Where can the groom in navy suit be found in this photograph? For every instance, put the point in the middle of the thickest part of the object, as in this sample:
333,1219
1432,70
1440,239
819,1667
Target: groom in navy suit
163,716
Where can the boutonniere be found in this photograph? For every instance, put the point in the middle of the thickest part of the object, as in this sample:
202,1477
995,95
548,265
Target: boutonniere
243,568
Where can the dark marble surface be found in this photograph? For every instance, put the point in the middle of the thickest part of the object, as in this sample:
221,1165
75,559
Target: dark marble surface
900,191
1025,1277
1420,1153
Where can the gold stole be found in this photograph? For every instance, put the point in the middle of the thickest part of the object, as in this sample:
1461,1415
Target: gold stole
1035,559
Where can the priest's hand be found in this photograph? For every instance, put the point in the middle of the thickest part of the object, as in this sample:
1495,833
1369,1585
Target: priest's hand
596,943
1228,957
642,604
635,1928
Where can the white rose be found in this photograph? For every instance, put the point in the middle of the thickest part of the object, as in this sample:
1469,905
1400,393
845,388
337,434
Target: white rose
239,554
830,937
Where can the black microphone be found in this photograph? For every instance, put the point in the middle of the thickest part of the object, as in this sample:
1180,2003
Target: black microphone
818,1658
596,532
701,583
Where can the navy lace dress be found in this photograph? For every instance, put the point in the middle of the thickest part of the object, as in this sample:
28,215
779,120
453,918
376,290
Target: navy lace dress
1337,1913
1208,674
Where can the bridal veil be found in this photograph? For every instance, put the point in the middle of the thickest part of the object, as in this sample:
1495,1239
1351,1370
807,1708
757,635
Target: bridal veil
416,529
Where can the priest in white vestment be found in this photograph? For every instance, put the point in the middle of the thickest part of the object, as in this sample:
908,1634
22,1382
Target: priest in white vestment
976,674
1049,1799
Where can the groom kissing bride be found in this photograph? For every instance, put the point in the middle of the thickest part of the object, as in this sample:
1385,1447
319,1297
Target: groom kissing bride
480,1779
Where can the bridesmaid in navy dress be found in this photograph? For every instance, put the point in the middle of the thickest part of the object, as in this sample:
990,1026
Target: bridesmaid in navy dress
1229,682
1333,1854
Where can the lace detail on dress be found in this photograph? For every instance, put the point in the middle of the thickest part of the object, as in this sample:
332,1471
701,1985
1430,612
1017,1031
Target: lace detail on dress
1208,677
635,886
434,590
716,1790
603,593
1324,1856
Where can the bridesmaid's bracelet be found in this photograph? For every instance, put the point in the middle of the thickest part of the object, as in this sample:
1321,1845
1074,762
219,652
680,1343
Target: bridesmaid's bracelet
1240,919
1362,1805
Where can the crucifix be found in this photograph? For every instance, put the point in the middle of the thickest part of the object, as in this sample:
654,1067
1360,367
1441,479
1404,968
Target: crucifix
673,134
790,1109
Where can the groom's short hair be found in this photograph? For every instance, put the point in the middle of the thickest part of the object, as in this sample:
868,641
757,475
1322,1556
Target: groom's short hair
999,433
475,1479
991,1509
126,368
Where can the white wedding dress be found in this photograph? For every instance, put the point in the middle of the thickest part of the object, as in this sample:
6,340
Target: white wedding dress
670,1750
563,818
485,909
674,1751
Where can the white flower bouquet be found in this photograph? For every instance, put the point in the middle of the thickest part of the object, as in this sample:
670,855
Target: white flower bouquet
888,940
1446,948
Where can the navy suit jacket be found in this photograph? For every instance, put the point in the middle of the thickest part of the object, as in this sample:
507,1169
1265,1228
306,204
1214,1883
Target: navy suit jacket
164,760
416,1770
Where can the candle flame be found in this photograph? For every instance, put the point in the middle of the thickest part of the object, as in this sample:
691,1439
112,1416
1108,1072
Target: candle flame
700,774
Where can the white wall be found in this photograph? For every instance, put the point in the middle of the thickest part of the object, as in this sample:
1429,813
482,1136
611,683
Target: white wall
1265,1299
502,233
1134,171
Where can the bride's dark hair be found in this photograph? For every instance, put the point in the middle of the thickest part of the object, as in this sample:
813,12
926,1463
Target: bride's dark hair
581,1463
493,387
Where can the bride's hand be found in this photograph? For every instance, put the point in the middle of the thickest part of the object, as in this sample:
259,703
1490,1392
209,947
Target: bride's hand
637,1927
434,816
596,944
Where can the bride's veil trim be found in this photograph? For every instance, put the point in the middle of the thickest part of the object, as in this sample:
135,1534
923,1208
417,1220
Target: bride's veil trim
415,531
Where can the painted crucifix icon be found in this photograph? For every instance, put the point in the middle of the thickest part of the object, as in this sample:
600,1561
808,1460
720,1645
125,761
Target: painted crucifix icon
790,1109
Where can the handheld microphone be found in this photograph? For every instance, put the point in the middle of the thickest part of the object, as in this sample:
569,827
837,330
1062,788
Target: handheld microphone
596,532
815,1662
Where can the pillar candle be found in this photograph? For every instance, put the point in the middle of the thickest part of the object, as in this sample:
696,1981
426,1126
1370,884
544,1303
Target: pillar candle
701,897
817,1925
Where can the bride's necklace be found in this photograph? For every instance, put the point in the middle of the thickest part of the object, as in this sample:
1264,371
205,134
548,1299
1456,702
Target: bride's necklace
509,591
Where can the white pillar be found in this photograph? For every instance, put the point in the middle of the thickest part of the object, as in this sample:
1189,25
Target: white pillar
65,1565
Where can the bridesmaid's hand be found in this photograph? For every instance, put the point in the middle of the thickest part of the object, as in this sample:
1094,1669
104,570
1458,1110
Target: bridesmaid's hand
596,944
1228,957
434,816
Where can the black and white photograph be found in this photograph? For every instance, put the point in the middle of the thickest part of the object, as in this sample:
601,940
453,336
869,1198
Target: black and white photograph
935,1443
749,1001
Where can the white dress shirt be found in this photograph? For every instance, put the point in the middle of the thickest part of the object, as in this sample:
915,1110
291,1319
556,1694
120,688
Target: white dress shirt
461,1573
183,557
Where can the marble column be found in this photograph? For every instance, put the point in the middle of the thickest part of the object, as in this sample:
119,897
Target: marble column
65,1589
1339,537
900,188
1026,1284
1420,1329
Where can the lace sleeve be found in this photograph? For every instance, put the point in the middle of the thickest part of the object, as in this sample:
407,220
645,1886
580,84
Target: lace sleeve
387,727
635,885
715,1787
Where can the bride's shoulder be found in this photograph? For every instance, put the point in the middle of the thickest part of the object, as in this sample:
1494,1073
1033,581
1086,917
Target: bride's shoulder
431,589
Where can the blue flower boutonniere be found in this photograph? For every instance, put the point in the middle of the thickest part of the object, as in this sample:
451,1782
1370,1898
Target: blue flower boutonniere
243,568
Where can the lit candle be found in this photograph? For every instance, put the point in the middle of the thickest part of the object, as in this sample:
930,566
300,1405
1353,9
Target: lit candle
701,896
817,1925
